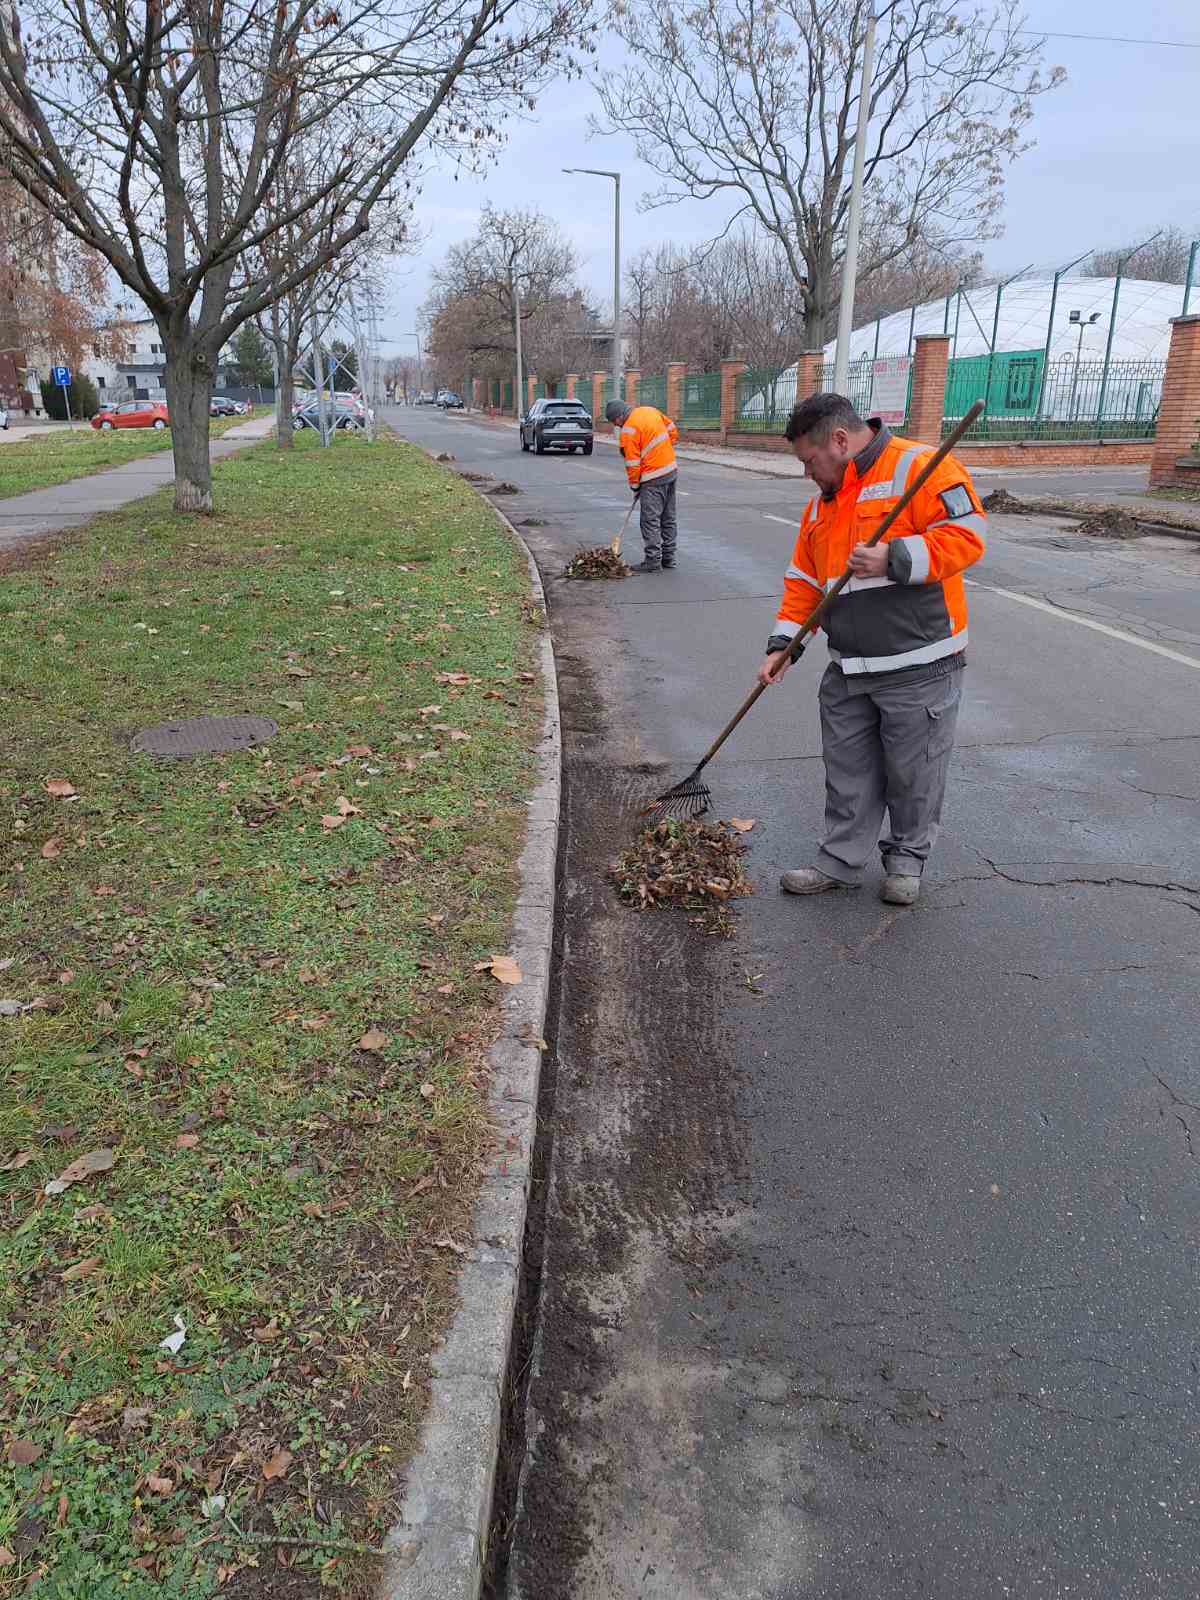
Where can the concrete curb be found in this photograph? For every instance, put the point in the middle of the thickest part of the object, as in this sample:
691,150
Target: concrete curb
438,1549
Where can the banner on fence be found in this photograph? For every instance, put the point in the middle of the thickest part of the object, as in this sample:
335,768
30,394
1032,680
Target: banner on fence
889,388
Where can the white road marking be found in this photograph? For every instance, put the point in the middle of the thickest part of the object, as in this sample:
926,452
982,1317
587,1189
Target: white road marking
1088,622
788,522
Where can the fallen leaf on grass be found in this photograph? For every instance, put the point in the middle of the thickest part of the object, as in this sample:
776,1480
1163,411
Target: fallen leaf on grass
9,961
52,849
428,1091
373,1039
331,822
60,788
265,1335
85,1167
454,677
358,749
24,1452
292,705
104,888
503,968
187,1141
450,1244
92,1213
15,1163
742,824
456,735
7,1559
158,1485
81,1269
298,672
66,976
278,1465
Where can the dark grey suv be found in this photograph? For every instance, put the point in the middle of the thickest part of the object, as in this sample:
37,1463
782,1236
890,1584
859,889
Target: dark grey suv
557,425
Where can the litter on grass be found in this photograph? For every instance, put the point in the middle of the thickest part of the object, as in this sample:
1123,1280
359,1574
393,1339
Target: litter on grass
598,562
697,865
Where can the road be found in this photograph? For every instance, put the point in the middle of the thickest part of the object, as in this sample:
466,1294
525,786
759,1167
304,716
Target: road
868,1263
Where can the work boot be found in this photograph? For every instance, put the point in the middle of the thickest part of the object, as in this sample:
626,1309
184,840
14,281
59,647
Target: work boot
667,565
900,889
807,880
647,566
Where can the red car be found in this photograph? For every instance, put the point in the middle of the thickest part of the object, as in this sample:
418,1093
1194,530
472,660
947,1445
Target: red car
132,414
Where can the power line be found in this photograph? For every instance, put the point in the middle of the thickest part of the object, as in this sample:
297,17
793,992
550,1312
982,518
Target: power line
1111,38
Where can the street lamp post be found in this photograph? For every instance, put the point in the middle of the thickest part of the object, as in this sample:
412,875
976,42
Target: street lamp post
1081,322
617,364
841,358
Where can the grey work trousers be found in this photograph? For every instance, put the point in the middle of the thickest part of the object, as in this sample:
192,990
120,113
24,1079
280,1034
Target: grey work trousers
659,528
886,746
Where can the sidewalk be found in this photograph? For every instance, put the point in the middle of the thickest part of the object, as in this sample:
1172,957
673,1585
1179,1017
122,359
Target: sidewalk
71,504
16,431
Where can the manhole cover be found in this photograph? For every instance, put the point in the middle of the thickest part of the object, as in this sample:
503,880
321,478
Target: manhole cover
198,736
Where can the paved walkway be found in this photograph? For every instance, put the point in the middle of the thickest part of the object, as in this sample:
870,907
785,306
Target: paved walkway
71,504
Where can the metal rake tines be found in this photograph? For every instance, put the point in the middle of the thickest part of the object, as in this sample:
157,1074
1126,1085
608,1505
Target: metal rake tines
686,801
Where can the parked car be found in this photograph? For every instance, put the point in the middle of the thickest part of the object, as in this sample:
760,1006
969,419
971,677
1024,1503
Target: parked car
425,398
132,414
557,425
352,416
449,401
221,406
3,419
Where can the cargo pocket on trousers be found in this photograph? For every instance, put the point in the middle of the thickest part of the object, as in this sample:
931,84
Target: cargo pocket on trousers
940,737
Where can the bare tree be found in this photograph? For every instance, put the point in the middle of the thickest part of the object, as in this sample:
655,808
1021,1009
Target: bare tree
756,102
158,136
1163,260
920,275
469,315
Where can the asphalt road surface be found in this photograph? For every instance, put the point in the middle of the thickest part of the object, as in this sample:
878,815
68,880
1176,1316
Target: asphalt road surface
869,1260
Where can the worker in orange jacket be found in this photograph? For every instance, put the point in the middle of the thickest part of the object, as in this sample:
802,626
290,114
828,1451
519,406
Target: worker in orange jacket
897,638
647,439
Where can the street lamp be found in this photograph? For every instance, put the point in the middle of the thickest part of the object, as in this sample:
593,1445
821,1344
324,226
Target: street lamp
600,172
1078,320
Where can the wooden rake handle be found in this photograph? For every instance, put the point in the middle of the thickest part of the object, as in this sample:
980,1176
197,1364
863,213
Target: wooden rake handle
615,547
813,620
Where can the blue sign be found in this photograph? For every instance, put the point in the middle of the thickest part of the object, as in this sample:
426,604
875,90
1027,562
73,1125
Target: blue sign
61,376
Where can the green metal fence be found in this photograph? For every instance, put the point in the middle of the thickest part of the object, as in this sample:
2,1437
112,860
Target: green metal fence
539,391
507,403
1064,399
653,392
763,398
700,406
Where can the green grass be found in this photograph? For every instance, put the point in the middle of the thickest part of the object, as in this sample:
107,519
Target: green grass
49,458
205,956
1189,493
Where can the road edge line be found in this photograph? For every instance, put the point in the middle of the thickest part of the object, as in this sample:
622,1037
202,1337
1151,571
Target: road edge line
1106,628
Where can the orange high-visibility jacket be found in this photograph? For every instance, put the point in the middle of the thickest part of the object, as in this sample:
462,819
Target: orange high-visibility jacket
917,612
647,437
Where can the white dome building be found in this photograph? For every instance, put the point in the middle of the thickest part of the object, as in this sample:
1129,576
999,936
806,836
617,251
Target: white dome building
999,351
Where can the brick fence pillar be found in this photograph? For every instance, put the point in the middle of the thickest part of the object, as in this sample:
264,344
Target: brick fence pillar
530,386
729,377
676,372
632,378
928,404
808,373
599,379
1179,413
571,380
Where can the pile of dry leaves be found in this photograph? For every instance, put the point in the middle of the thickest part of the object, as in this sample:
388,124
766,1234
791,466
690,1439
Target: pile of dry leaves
598,562
697,865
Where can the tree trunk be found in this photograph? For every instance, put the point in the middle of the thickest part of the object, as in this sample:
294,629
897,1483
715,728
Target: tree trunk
285,356
189,391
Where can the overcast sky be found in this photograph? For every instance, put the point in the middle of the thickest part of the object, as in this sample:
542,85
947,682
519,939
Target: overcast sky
1115,153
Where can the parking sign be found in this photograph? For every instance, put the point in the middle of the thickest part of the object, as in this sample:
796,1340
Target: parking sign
61,376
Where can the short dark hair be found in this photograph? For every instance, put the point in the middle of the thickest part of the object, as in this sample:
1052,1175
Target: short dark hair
817,417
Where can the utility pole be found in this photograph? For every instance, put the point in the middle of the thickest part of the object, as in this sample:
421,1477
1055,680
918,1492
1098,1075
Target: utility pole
841,359
518,393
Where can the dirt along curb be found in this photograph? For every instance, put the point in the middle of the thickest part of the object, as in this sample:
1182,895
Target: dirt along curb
438,1548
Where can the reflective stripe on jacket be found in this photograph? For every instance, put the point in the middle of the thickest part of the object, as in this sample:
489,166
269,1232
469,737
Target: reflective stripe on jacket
647,437
917,612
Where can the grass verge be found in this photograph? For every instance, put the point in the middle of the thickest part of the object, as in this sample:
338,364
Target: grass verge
256,993
46,459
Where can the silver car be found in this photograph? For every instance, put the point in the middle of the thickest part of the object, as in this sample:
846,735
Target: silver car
3,419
